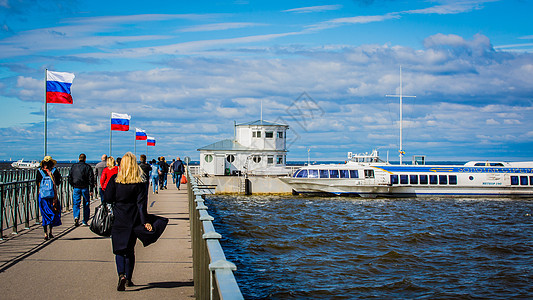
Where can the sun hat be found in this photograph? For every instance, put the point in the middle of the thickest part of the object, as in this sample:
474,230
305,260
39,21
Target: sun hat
48,159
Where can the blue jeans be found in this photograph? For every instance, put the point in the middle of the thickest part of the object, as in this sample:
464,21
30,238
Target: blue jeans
77,194
178,180
155,183
174,176
101,192
126,263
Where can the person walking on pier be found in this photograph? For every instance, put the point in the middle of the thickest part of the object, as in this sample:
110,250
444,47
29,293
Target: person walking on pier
154,174
81,178
99,169
127,191
49,179
178,169
146,169
164,172
108,172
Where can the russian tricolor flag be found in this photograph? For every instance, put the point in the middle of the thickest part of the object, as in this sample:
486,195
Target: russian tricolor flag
58,87
150,141
120,122
140,134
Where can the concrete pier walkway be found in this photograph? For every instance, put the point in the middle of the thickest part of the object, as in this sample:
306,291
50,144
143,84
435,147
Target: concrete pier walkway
78,264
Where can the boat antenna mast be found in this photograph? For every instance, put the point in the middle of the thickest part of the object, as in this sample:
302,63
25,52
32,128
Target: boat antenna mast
401,96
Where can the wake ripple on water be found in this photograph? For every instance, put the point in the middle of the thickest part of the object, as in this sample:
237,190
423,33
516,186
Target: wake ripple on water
352,248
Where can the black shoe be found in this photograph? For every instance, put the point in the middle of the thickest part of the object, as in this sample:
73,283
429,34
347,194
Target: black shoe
76,222
50,236
46,237
130,283
121,286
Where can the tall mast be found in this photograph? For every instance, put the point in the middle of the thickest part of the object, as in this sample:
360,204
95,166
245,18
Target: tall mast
400,150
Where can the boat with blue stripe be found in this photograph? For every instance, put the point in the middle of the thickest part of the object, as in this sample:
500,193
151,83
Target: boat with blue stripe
372,177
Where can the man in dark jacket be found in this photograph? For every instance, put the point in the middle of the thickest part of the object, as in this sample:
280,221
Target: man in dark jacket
146,169
81,178
164,172
178,168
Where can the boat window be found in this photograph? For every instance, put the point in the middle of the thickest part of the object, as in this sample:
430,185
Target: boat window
333,173
479,164
413,179
433,179
496,164
324,174
355,174
369,173
530,180
394,179
313,174
345,174
423,179
452,179
514,180
302,174
269,134
403,179
443,179
523,180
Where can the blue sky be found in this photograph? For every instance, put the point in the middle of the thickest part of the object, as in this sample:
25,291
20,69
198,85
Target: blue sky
186,71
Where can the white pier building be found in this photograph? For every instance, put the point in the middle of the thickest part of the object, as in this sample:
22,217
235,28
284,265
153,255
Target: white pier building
258,147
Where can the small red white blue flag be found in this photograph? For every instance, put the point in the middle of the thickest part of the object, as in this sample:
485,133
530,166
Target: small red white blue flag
150,141
58,87
140,135
120,122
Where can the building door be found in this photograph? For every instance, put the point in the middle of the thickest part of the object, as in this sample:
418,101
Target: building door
220,164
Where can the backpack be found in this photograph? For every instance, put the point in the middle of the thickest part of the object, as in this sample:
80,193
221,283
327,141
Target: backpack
155,169
46,188
164,167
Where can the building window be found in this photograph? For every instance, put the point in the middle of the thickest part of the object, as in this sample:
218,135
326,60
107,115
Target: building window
280,134
270,160
256,134
256,159
269,134
230,158
208,158
279,159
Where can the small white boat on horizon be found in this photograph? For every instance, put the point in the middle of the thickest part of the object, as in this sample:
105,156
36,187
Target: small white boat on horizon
21,164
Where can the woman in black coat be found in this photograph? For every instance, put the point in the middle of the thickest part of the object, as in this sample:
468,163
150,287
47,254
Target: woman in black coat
127,191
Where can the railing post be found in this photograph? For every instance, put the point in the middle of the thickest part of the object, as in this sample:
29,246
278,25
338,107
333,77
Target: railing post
15,207
2,210
27,206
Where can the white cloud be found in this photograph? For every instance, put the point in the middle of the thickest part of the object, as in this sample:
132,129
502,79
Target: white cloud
219,26
314,9
492,122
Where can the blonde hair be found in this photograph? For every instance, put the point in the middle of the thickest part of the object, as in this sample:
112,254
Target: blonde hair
129,171
110,163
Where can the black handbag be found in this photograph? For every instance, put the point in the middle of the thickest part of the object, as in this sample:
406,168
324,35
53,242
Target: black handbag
103,220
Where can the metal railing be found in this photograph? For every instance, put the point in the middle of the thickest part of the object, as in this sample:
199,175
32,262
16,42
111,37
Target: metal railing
19,204
212,273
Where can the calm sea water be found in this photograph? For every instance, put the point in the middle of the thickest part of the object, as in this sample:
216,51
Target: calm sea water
352,248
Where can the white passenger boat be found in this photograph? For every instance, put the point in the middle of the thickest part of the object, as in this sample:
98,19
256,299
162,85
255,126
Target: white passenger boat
368,176
21,164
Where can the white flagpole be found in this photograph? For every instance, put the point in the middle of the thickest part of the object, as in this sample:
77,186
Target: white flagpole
110,136
45,114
